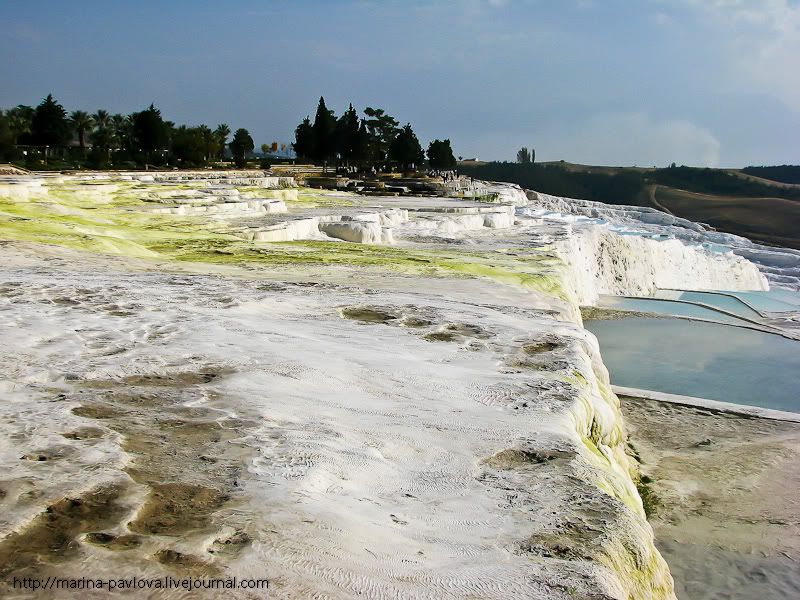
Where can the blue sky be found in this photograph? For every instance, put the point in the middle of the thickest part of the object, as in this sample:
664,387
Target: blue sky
622,82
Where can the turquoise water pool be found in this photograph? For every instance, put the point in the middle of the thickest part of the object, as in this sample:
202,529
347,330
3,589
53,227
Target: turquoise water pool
729,303
663,307
705,360
772,301
737,302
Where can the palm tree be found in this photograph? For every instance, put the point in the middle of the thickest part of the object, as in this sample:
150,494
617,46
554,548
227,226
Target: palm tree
208,140
221,133
102,136
19,121
101,118
120,125
81,123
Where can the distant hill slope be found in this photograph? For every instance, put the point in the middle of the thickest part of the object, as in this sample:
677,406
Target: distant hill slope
773,221
782,173
740,202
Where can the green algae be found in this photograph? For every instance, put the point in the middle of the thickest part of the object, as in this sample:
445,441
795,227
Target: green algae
82,223
645,577
307,202
650,500
311,198
118,222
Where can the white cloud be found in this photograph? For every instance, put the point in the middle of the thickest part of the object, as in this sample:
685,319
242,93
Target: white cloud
635,139
764,36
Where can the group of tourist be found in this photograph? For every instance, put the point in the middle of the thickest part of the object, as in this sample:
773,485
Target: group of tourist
449,175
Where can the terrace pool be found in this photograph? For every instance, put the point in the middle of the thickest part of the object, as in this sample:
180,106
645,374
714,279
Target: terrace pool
665,307
737,302
706,360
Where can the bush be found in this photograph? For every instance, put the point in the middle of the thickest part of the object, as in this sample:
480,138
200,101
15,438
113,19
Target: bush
33,161
97,159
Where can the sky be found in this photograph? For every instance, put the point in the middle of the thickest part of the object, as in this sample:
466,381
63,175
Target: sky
611,82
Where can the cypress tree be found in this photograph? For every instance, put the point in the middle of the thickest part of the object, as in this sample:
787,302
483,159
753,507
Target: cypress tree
324,133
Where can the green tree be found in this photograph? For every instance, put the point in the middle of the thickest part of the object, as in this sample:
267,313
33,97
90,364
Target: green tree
121,131
164,156
241,145
405,149
81,123
440,155
6,138
101,118
382,130
189,145
304,140
361,151
150,132
102,136
209,142
221,134
49,125
524,156
19,121
324,128
347,135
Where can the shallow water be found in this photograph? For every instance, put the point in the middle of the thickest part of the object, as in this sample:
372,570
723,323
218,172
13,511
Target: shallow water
706,360
772,301
737,302
721,301
664,307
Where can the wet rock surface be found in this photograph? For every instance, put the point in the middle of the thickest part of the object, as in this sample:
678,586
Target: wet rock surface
722,488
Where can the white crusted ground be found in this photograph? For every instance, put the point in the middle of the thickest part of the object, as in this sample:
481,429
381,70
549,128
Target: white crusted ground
442,429
780,266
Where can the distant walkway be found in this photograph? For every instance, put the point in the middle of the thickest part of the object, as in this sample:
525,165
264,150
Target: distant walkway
651,191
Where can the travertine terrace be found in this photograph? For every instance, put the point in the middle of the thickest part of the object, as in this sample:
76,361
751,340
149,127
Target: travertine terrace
351,396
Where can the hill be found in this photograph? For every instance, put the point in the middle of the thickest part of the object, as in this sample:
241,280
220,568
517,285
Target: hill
744,202
782,173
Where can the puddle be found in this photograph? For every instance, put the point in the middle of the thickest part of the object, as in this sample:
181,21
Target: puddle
368,314
51,536
174,508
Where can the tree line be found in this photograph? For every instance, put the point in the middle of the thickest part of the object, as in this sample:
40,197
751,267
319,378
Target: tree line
779,173
47,131
375,140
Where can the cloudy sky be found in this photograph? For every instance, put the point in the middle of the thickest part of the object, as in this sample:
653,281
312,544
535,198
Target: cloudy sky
619,82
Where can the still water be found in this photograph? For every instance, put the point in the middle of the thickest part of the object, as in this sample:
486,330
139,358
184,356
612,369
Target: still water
663,307
776,300
699,359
